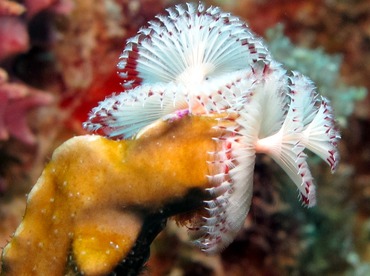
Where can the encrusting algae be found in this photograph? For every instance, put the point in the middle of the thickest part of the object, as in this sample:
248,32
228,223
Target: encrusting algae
94,195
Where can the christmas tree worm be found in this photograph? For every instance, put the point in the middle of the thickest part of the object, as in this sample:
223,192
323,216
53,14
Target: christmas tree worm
197,60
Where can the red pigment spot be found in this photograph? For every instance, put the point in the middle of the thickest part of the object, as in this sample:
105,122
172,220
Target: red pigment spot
228,151
262,56
305,199
265,68
227,169
244,42
331,162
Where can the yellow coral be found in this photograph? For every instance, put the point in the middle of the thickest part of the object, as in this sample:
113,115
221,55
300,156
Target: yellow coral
92,198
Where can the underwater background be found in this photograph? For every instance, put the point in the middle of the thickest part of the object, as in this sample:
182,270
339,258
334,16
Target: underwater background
58,59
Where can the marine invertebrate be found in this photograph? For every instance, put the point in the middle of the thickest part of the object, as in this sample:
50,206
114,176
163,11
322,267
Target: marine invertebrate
276,119
189,45
219,66
181,60
320,67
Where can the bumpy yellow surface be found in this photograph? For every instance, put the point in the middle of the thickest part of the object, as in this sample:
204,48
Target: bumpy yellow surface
86,202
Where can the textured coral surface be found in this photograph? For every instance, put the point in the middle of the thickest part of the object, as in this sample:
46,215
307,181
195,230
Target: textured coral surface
95,217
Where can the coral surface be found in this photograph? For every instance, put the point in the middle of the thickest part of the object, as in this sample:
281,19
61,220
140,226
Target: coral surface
95,218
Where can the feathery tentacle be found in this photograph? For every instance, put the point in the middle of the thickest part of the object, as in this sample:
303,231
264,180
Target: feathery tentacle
122,116
189,44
